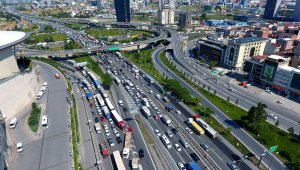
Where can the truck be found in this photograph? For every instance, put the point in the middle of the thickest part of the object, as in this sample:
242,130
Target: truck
135,163
146,111
106,112
169,107
195,126
97,127
166,120
193,166
145,102
127,145
149,79
104,150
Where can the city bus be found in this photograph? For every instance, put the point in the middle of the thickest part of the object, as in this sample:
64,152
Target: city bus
118,160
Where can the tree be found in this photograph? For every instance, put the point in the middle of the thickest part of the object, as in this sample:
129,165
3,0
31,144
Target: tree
213,64
257,116
107,81
208,111
202,61
291,130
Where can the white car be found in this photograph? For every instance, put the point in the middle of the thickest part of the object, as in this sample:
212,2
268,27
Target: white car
77,90
273,116
181,166
177,147
116,133
178,112
159,114
105,126
157,132
107,132
19,147
189,130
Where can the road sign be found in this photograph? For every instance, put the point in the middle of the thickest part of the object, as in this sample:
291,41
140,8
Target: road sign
273,148
113,49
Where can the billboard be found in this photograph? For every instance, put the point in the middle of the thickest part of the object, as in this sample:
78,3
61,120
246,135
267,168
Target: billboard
269,72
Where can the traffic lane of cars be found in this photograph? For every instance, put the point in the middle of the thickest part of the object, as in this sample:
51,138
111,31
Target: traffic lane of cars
203,140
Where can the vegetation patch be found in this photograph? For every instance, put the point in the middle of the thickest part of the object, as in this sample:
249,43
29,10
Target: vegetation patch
53,37
144,61
34,117
106,79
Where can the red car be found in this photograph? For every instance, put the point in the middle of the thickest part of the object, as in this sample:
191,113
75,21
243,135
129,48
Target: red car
155,116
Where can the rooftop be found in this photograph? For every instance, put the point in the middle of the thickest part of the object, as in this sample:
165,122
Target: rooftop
247,40
10,38
277,57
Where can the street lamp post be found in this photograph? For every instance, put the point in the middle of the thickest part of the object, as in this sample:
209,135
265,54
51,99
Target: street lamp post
261,156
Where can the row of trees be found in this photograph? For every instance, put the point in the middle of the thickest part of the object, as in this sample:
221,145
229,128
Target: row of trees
71,45
181,92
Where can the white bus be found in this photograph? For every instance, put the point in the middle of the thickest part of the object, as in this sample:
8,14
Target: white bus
166,141
118,160
109,104
100,100
44,122
209,130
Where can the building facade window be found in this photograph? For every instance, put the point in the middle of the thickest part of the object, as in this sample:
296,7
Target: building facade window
231,54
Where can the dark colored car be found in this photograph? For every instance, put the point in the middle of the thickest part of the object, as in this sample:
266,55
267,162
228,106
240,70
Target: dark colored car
125,109
195,157
118,140
141,153
175,131
96,119
236,157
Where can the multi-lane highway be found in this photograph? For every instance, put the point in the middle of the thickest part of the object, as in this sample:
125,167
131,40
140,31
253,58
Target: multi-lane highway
219,152
254,146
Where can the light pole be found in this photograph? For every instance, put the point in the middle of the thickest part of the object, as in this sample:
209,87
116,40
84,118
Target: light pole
261,156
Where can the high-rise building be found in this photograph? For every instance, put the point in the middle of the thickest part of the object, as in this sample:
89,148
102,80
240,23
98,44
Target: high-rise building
166,16
297,11
244,3
184,20
271,9
122,8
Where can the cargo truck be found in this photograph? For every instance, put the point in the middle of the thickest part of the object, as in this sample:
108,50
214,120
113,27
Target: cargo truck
104,150
195,126
97,127
193,166
106,112
166,120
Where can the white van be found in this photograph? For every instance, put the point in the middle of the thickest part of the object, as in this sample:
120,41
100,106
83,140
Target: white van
39,95
13,123
43,89
44,122
45,84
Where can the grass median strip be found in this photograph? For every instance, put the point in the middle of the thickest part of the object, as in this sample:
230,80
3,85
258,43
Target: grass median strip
34,117
144,130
